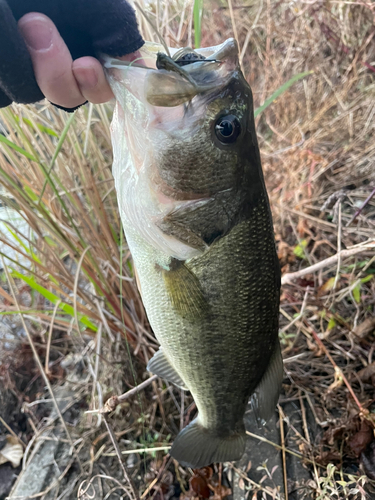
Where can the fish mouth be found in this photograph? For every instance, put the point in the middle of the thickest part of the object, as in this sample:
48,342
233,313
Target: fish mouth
173,79
150,51
198,58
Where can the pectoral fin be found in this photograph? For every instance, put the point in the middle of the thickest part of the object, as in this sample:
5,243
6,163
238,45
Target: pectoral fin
265,397
160,365
184,291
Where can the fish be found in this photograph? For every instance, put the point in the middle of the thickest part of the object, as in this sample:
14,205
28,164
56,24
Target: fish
197,220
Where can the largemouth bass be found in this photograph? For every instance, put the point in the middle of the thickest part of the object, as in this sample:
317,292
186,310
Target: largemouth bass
197,221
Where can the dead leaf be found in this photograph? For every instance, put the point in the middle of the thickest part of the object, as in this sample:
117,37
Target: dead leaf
329,457
200,487
12,451
326,287
305,282
285,254
367,374
359,441
220,492
316,349
241,484
365,328
338,381
303,228
205,472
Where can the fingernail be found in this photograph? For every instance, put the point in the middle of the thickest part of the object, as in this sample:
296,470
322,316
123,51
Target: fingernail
37,34
86,77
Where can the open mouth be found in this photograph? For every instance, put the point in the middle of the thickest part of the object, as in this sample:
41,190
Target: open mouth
174,78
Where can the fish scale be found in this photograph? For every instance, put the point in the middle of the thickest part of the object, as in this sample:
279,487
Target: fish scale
198,224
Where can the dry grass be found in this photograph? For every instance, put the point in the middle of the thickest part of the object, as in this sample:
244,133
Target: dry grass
318,147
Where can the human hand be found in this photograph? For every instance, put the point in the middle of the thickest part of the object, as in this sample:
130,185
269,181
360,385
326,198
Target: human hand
51,53
62,81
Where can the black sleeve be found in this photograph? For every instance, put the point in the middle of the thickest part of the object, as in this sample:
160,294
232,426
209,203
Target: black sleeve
87,26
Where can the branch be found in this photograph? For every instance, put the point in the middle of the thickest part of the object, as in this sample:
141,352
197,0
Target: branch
114,401
289,277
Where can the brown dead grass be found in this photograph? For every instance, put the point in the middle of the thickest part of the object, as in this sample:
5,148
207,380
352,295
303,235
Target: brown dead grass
318,143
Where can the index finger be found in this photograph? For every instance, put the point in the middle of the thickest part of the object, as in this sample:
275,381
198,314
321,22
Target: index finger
52,61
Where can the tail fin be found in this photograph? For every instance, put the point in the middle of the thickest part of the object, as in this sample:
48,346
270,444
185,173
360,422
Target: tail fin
197,447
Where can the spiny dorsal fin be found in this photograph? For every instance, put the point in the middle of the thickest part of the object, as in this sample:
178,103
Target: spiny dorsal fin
160,365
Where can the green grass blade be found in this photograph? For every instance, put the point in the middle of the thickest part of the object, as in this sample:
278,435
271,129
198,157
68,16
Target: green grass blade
40,127
14,120
23,152
53,298
28,311
280,91
197,16
58,149
18,239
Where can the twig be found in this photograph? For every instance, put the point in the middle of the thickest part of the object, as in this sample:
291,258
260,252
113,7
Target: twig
84,488
300,314
76,287
118,453
161,39
291,452
105,323
114,401
233,22
305,427
277,446
11,431
96,382
6,296
303,413
159,477
338,370
289,277
339,231
40,366
89,118
140,450
282,436
255,486
46,367
358,212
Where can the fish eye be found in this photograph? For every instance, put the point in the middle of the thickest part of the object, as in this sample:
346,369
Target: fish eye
227,129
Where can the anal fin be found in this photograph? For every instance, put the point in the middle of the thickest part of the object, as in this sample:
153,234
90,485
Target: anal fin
264,399
160,365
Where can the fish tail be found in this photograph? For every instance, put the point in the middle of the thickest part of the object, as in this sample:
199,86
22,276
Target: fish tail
195,446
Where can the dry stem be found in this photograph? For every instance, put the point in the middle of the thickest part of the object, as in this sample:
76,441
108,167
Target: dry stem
40,365
289,277
114,401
